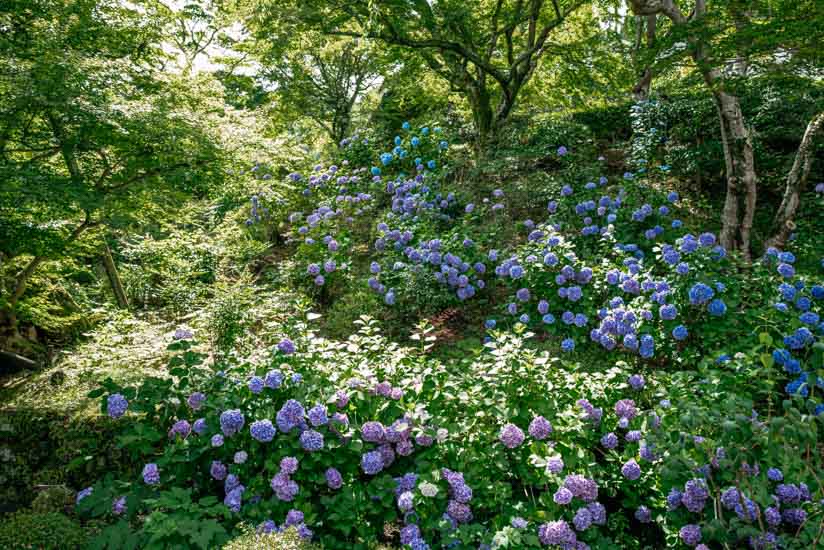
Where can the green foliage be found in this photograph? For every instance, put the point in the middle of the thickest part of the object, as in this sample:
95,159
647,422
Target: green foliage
487,53
174,272
679,128
319,78
287,540
45,449
49,531
187,137
53,499
228,316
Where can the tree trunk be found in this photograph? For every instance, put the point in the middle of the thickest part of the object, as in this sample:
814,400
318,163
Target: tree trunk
25,274
735,136
483,116
640,92
741,176
22,280
114,277
784,222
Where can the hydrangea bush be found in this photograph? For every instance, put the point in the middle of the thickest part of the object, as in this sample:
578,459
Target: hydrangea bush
673,399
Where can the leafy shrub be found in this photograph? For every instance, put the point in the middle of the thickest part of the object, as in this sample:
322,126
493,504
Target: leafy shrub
287,540
53,499
645,365
46,448
228,315
49,531
679,128
172,272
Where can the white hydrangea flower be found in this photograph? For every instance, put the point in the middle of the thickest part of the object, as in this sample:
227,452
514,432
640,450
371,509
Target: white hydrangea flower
428,489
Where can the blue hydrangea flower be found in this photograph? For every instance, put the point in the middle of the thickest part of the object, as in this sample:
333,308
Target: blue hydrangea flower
311,440
116,405
256,384
372,462
151,474
717,307
263,430
231,422
680,332
83,494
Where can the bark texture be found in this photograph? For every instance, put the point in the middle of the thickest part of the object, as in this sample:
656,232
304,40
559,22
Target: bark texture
114,277
742,189
784,222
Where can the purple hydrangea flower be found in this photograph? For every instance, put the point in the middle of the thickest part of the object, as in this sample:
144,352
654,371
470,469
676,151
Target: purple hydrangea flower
636,381
582,519
609,441
151,474
643,514
695,495
119,506
372,462
690,534
774,474
406,501
557,533
410,534
273,379
231,422
794,516
263,430
289,465
317,415
540,428
631,470
286,346
598,512
196,400
633,436
459,511
333,479
555,464
290,416
311,440
518,523
116,405
625,408
373,432
674,499
562,496
218,470
180,428
511,436
285,489
581,487
200,427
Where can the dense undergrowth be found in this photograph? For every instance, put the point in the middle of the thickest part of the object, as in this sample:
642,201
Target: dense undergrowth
597,373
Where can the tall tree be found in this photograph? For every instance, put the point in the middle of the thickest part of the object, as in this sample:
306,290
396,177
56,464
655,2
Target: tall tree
729,41
487,50
646,28
320,78
196,29
784,221
88,131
